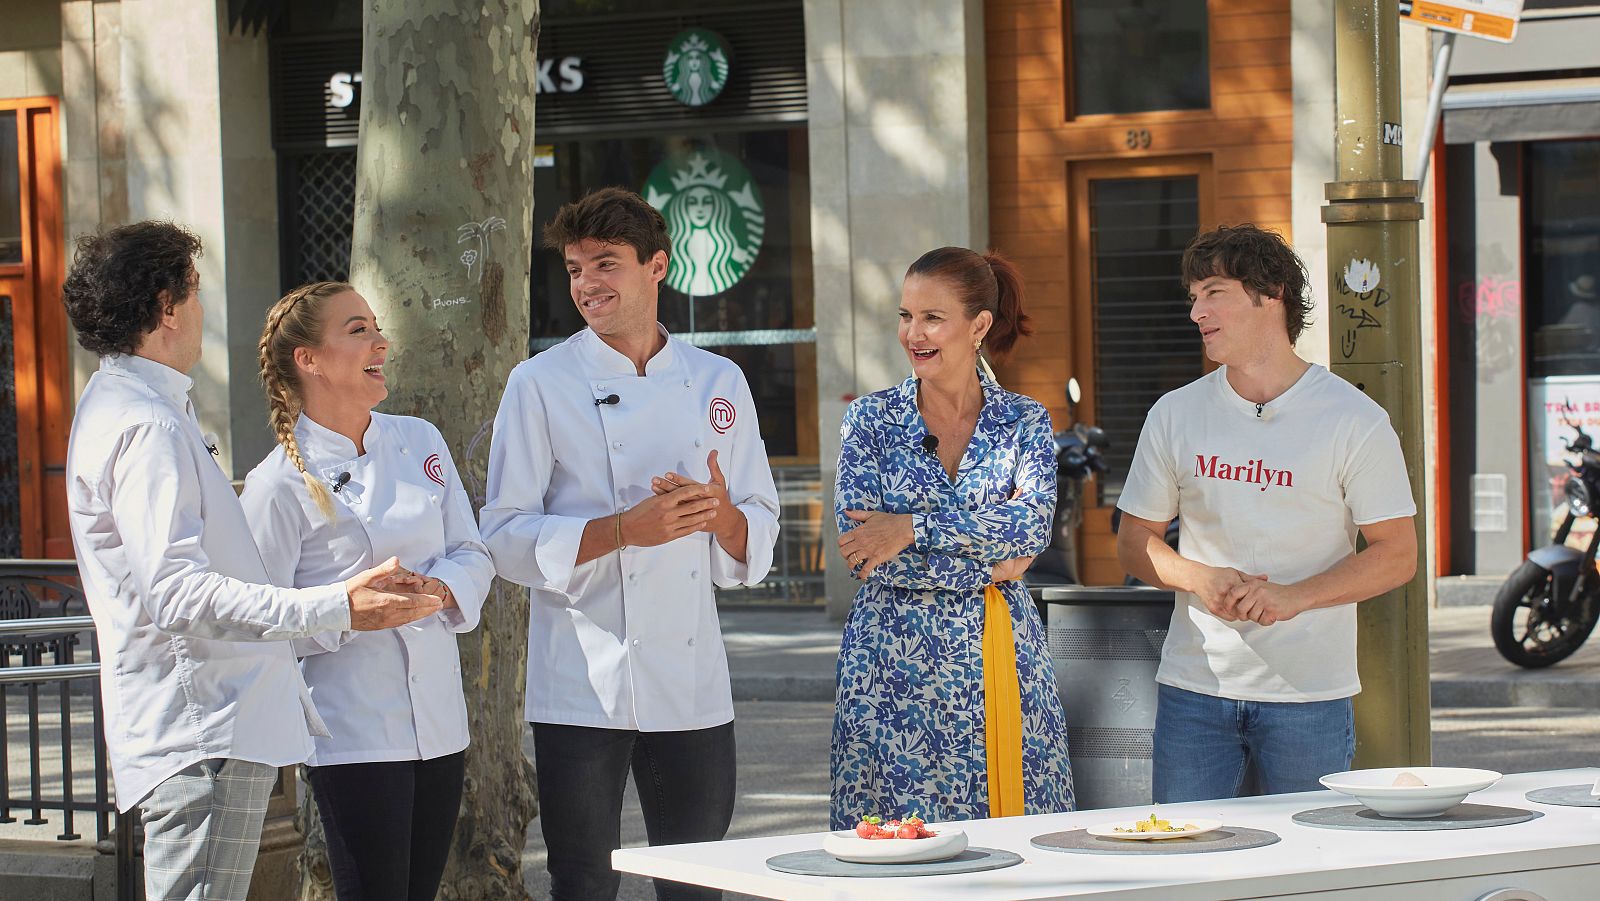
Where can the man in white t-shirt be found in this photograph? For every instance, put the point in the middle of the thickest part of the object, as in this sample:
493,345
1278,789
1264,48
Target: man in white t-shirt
1271,465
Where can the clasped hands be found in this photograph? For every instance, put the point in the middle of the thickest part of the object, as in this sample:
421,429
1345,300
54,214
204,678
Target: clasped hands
1234,596
881,537
389,595
680,506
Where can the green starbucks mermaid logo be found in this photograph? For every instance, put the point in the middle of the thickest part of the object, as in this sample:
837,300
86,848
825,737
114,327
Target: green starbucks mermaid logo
696,67
715,219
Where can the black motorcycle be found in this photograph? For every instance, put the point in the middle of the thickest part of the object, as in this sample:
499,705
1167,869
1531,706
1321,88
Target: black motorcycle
1547,608
1080,453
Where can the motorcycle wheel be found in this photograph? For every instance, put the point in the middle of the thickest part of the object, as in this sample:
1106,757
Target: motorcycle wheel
1528,627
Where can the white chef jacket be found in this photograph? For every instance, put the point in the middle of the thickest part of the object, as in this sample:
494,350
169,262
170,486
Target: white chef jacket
629,640
394,694
195,657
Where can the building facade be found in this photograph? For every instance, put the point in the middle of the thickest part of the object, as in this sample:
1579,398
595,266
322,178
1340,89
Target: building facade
805,151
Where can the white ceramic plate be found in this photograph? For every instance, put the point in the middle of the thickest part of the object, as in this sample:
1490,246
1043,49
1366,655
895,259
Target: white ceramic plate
1444,787
1109,830
847,846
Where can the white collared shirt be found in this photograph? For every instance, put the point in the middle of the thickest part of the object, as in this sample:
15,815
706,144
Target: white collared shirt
394,694
629,640
195,657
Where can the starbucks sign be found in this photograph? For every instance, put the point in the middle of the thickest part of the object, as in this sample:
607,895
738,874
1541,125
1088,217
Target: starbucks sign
696,67
714,217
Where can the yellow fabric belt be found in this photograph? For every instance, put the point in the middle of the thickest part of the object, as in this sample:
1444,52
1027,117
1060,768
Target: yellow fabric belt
1002,707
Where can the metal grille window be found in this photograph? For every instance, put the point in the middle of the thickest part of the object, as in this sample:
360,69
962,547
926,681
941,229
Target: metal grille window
319,193
1144,344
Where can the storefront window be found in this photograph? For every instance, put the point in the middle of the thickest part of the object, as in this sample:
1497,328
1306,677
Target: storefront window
1562,268
739,212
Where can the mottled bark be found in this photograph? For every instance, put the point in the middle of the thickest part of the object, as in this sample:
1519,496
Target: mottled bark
443,231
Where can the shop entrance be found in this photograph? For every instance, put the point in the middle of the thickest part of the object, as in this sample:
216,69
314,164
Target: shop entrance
1132,340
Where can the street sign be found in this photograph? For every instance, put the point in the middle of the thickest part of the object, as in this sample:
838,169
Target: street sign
1495,20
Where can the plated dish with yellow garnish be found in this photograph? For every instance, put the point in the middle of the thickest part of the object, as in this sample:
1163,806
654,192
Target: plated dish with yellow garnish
1154,828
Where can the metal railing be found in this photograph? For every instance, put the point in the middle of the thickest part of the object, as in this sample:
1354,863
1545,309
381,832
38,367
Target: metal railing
41,646
797,561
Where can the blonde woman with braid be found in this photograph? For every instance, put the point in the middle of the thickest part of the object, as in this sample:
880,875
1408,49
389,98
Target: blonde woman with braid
347,486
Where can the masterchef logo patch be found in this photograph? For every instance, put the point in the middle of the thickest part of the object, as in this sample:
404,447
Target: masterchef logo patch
722,415
1252,472
434,469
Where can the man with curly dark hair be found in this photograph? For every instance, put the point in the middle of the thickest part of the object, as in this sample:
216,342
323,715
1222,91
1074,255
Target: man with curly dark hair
203,697
1272,466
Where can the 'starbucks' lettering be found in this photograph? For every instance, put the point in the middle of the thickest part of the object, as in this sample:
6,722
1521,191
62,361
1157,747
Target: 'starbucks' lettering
1254,472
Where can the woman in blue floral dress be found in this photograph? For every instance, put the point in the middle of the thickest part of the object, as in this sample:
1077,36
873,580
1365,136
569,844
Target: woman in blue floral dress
946,486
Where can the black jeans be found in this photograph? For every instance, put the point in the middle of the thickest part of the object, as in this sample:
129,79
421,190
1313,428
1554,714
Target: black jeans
389,825
686,790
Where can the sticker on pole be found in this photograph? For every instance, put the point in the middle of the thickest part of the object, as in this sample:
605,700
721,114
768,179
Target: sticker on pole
1361,276
1494,20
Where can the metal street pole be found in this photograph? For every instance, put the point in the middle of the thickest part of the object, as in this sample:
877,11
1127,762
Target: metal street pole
1375,335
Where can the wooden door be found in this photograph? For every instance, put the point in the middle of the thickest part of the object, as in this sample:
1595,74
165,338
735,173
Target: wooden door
33,334
1132,340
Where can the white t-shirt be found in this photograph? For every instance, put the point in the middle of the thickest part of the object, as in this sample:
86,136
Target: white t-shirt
1278,491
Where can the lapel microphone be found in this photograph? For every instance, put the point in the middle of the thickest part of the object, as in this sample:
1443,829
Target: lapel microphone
608,399
930,444
340,481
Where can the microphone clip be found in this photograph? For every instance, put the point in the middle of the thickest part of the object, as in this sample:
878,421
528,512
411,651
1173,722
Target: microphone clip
930,444
609,399
339,483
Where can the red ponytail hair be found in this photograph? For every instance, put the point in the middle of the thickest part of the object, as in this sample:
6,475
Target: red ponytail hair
986,281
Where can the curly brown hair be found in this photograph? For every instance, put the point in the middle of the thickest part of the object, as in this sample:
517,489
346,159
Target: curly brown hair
113,292
1260,259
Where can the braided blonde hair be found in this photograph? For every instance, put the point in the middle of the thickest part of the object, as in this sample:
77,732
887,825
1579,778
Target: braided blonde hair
294,321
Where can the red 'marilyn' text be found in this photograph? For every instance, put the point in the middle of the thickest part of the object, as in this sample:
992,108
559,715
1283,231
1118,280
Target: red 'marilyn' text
1255,472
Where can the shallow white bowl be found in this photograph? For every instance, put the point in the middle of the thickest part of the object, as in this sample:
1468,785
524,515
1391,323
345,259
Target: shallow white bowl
1446,786
847,846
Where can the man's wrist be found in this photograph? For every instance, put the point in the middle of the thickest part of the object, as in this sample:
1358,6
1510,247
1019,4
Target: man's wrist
733,531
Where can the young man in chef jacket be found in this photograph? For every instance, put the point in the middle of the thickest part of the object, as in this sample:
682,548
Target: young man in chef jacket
627,479
203,699
1272,466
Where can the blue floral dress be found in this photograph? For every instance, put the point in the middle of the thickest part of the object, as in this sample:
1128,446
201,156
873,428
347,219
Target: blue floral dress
908,727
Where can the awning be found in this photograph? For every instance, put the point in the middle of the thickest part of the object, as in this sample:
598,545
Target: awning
1545,110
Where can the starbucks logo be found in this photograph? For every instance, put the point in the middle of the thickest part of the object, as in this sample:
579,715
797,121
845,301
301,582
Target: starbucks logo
696,67
714,218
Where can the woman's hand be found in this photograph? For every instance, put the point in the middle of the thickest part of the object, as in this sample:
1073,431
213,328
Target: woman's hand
1010,569
879,538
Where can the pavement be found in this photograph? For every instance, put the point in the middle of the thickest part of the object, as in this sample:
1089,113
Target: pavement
788,654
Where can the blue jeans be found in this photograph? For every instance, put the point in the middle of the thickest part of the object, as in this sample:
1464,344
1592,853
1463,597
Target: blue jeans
1202,744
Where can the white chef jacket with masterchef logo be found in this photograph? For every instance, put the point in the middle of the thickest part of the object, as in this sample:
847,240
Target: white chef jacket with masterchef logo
194,641
629,640
394,694
1279,492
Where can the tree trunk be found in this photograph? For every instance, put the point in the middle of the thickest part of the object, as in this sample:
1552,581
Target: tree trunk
443,231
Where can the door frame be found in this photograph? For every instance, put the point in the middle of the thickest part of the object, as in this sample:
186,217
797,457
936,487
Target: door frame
1096,547
39,332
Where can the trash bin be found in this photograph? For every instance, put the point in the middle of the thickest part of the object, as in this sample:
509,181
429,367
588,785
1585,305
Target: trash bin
1105,644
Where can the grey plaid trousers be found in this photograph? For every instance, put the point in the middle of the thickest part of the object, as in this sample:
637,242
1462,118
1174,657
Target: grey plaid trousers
202,827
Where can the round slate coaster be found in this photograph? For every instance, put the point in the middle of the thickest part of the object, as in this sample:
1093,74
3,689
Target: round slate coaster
1565,796
821,863
1461,816
1228,838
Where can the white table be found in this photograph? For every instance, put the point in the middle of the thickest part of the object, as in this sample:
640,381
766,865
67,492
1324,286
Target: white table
1555,857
